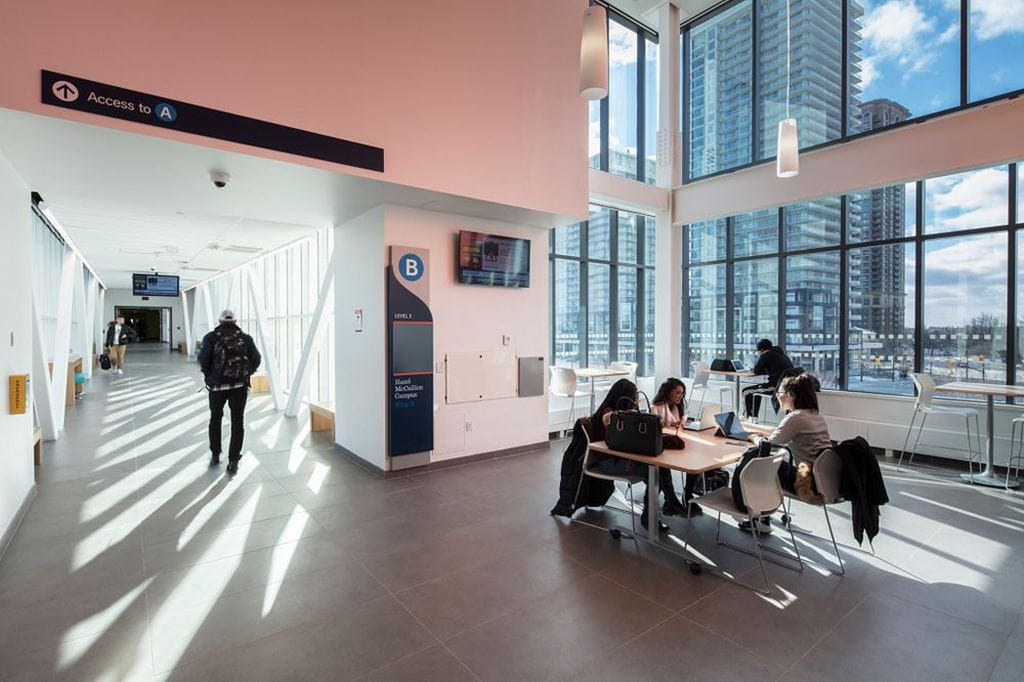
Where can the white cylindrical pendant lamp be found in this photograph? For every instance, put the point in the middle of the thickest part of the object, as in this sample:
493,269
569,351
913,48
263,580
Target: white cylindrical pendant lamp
787,159
594,54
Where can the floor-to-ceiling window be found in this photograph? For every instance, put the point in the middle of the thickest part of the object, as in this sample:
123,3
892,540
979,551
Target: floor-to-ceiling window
623,127
865,288
602,291
896,61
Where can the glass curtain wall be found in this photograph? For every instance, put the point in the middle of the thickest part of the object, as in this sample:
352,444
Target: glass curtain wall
602,291
289,282
48,251
856,66
624,126
869,286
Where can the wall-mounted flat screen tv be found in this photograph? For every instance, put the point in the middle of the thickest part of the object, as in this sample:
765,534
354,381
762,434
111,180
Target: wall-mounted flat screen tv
149,284
493,260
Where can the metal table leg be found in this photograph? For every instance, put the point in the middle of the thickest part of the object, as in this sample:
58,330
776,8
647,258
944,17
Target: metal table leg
653,512
736,398
988,477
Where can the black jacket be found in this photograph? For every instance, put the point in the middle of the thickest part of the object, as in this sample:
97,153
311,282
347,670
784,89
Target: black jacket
593,492
861,483
773,362
128,335
206,353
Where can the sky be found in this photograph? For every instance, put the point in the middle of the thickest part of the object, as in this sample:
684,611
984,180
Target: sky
911,51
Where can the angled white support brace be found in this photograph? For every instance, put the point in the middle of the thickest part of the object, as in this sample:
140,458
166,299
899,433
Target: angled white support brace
208,303
89,328
197,305
41,379
225,302
266,340
62,338
311,344
101,321
81,315
189,351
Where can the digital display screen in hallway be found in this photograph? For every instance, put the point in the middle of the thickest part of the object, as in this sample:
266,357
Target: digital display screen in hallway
154,285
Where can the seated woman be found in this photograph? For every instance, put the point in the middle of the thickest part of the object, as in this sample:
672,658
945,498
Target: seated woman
803,430
670,404
623,395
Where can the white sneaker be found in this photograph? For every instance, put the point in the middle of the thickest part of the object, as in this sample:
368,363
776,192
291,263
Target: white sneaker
120,371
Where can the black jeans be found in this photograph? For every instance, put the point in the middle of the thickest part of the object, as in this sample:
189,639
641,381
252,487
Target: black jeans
748,396
235,398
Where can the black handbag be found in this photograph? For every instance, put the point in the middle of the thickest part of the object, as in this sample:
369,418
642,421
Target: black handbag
710,481
104,361
636,432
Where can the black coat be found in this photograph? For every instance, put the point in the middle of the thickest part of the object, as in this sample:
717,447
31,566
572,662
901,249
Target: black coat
206,354
862,484
593,492
772,363
128,335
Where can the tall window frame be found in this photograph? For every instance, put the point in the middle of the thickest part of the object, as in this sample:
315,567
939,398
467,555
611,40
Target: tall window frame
916,240
852,11
617,264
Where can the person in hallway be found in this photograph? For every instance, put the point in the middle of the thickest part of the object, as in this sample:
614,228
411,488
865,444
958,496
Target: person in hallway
670,404
228,359
771,362
119,335
804,431
623,395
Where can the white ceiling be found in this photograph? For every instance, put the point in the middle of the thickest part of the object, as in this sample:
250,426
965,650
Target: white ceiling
646,10
134,202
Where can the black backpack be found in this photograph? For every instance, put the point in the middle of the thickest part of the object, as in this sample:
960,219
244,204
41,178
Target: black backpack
230,357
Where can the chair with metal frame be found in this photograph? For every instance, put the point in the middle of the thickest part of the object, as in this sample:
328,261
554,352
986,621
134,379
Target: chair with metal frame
769,393
827,472
630,481
1019,456
701,377
564,384
925,386
762,496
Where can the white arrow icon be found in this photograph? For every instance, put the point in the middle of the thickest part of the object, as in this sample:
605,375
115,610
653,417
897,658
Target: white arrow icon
65,91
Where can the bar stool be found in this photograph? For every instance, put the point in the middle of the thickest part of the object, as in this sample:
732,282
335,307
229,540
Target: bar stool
701,376
1019,456
925,386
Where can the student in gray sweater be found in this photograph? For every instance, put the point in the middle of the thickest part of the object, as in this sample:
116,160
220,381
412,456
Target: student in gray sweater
803,430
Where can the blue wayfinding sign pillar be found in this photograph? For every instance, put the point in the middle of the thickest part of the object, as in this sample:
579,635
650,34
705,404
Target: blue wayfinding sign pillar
410,354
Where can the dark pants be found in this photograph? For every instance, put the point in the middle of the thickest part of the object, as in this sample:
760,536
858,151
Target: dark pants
235,398
748,396
787,476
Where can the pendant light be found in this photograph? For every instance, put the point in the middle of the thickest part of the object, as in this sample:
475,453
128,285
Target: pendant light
787,158
594,54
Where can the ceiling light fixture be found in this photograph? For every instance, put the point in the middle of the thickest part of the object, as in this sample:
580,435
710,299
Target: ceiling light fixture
787,156
594,54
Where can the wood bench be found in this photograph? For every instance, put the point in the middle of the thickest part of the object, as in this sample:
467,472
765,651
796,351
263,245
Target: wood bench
37,446
321,417
260,383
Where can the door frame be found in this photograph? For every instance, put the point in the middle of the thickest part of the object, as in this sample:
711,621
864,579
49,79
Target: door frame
170,316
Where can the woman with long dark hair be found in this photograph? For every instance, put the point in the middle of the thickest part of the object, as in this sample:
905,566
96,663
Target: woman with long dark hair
670,404
623,396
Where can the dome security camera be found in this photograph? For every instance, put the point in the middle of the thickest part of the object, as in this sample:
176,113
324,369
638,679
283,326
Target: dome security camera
220,179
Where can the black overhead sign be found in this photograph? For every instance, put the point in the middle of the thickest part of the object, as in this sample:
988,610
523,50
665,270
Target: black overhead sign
72,92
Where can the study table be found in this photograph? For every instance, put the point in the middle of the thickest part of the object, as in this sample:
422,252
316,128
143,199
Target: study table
990,391
704,452
738,377
592,373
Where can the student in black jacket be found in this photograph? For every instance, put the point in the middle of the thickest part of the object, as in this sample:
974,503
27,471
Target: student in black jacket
771,363
227,358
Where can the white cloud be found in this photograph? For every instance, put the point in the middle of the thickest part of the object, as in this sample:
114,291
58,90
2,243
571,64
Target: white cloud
951,33
896,26
993,18
868,72
621,46
965,200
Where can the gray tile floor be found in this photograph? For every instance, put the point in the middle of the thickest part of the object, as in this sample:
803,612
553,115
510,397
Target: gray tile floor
136,561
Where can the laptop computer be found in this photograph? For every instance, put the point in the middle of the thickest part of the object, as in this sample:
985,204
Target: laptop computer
706,421
738,365
730,427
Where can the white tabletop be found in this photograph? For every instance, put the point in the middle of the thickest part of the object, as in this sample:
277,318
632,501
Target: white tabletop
978,388
597,372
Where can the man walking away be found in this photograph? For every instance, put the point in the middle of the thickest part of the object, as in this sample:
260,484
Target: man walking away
228,357
119,335
771,362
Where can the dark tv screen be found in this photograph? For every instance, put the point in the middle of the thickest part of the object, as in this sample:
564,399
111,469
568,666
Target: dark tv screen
149,284
493,260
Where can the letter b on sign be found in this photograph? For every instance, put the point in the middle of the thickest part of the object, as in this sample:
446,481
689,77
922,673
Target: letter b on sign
410,267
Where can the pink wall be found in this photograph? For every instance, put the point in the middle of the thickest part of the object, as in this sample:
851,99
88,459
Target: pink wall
477,98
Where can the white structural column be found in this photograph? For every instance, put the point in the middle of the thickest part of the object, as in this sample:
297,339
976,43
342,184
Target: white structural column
83,335
62,338
266,340
100,324
188,324
40,378
211,321
312,342
668,321
197,305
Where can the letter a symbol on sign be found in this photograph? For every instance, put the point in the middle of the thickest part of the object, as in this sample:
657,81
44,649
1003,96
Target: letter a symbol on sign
412,269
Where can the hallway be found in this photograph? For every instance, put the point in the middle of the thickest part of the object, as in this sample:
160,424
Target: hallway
136,562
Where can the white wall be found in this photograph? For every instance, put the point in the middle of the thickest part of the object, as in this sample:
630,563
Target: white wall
17,475
360,357
474,318
124,297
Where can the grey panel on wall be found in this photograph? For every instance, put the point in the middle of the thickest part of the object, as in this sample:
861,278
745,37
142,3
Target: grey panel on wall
531,376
